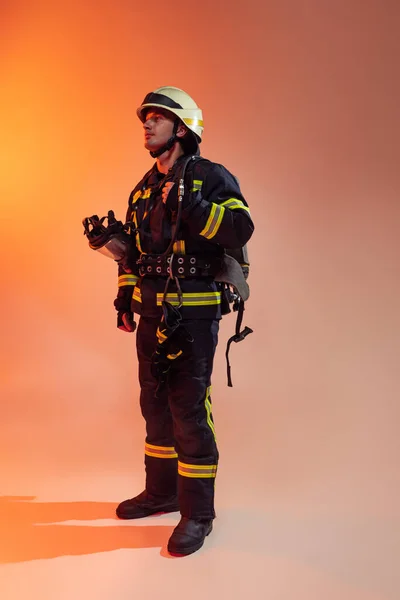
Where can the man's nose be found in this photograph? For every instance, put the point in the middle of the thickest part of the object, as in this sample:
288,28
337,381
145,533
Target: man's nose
147,125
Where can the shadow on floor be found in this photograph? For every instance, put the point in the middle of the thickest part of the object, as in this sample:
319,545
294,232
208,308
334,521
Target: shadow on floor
28,530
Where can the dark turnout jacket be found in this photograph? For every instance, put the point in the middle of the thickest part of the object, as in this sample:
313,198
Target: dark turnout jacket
215,216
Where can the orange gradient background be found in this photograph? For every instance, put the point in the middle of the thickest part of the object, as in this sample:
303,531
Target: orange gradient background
300,101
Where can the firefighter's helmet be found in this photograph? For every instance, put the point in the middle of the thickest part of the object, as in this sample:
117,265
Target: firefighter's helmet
177,102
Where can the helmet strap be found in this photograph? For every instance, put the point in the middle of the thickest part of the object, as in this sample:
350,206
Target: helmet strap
170,142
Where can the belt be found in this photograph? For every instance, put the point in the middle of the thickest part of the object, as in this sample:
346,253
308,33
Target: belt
187,265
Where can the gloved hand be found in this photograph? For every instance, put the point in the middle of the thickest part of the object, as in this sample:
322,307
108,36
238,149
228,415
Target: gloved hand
126,322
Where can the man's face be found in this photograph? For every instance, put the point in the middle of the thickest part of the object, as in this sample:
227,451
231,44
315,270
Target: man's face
158,128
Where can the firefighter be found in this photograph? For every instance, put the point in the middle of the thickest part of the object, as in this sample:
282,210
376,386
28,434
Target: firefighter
182,216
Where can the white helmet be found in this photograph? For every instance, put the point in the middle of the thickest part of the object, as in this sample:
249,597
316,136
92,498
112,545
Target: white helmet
177,102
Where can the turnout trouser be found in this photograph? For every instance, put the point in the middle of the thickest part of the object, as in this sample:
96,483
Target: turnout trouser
181,453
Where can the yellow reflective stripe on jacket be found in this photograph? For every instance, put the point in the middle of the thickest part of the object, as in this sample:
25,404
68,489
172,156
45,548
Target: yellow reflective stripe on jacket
160,451
179,247
144,194
197,185
127,280
234,203
137,294
198,471
192,299
208,410
136,196
213,221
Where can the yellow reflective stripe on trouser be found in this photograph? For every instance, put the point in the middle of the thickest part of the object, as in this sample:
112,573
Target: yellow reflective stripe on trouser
213,222
197,185
192,299
127,280
208,409
160,451
198,471
179,247
137,294
234,203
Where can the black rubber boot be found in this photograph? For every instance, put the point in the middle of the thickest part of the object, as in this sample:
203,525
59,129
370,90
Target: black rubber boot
146,504
189,536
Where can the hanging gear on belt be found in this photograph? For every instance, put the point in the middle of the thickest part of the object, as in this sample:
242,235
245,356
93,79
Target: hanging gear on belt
239,335
231,273
170,334
112,241
236,290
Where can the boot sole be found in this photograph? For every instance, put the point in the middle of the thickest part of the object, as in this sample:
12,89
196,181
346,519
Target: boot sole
147,513
191,549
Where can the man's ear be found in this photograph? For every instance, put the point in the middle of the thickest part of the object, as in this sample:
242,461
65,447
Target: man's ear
181,131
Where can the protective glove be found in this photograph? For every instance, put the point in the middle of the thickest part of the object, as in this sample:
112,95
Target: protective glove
126,322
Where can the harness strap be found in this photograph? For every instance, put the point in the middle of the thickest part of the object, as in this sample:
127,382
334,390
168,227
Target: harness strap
238,337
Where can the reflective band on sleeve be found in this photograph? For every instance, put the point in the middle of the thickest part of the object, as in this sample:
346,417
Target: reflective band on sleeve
127,280
160,451
234,203
197,471
213,222
146,194
191,299
137,294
